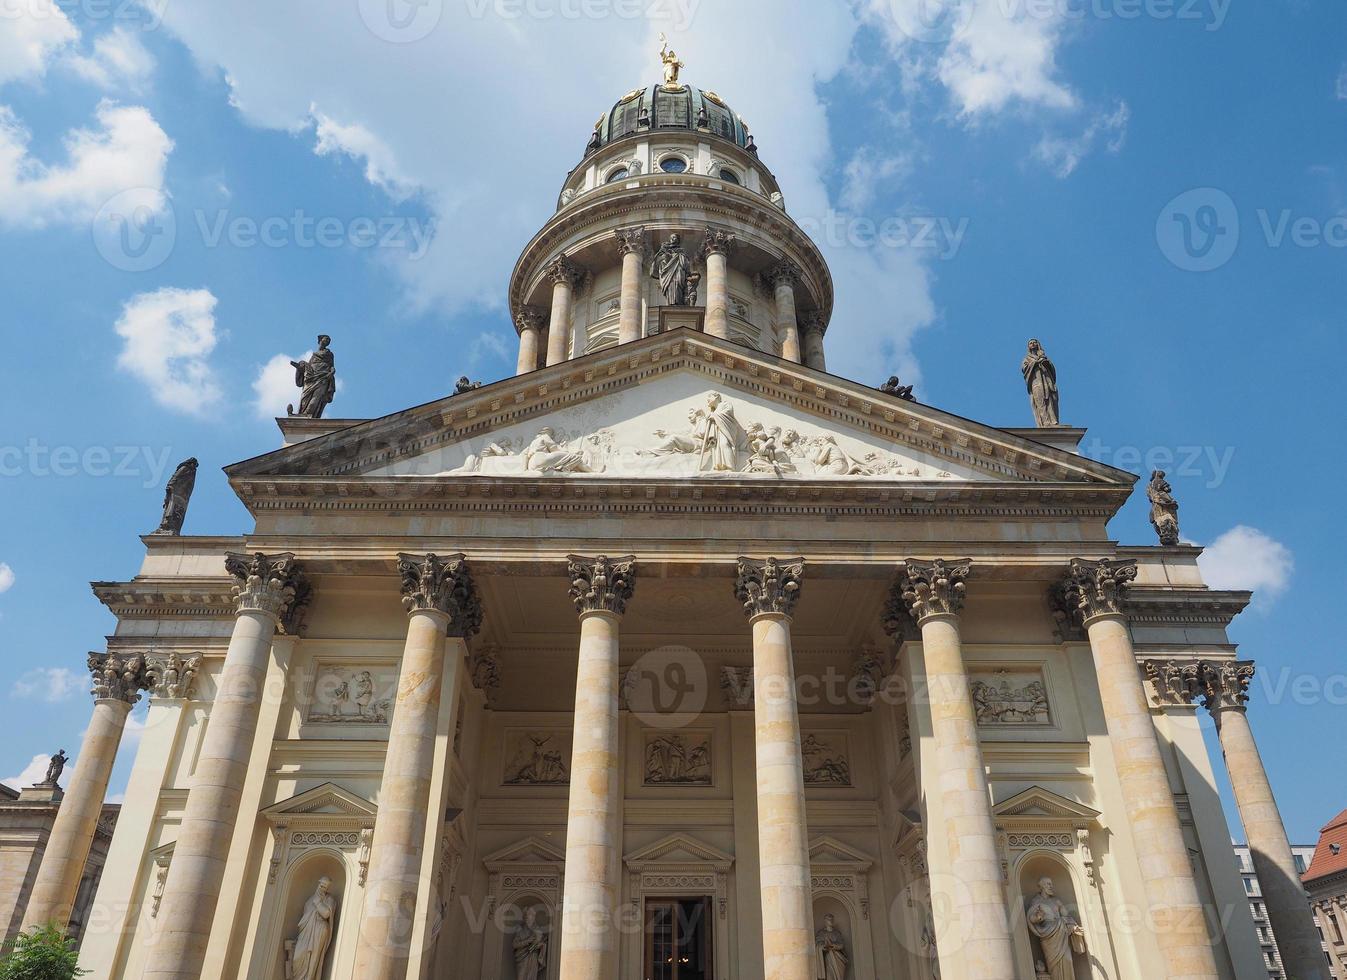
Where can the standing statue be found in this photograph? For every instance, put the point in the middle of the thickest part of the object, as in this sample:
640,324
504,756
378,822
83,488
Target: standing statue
1041,376
832,951
177,495
1059,935
672,66
1164,509
722,438
673,269
530,948
55,768
318,377
306,954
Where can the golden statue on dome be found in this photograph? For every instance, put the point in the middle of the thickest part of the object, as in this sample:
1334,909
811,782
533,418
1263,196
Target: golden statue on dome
672,66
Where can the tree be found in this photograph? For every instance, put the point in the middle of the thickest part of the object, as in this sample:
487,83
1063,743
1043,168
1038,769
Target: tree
43,954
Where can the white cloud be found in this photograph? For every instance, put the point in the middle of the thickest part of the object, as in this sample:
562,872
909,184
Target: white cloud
50,684
31,32
359,143
1063,155
868,168
118,59
6,577
32,774
169,335
1246,558
274,387
127,151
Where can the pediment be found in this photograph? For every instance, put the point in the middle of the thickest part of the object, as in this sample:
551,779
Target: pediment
679,406
529,851
328,800
828,851
1037,802
678,849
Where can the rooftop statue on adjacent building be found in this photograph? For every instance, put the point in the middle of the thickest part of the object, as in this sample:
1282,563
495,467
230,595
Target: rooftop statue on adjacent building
54,769
465,385
177,495
318,378
673,269
1040,374
895,386
1164,509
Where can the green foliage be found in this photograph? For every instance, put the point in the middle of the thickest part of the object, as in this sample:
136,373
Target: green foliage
42,954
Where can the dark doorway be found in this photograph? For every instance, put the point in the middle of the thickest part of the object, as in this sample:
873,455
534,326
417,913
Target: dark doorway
678,939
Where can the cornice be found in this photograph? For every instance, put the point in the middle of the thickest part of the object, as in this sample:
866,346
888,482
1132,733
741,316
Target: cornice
167,598
1157,606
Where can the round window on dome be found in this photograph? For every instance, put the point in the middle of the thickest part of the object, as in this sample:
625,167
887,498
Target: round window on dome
674,165
621,173
729,176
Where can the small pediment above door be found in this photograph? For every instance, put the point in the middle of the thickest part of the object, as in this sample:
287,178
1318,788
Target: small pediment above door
1039,802
531,851
327,800
679,850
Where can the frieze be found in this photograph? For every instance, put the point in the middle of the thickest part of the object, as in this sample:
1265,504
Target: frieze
1009,699
677,759
352,695
537,758
827,759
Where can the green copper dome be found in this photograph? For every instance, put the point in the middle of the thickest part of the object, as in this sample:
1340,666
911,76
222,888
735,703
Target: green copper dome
662,107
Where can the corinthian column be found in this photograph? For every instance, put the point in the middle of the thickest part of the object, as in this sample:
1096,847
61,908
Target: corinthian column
769,590
601,588
1093,595
813,342
783,279
1224,689
441,601
716,252
117,683
530,323
565,274
631,246
932,594
269,593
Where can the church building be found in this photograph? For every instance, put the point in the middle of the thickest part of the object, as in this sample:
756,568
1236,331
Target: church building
673,657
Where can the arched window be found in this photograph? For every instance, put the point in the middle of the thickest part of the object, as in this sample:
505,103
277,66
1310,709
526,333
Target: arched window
729,176
674,165
621,173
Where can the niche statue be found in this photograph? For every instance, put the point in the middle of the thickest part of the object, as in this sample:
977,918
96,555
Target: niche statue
530,948
1059,935
318,378
1040,374
177,495
831,947
306,953
673,269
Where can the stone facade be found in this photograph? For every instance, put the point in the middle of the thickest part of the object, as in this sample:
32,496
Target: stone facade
1326,882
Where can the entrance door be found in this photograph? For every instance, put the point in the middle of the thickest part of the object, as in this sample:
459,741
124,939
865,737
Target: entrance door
678,939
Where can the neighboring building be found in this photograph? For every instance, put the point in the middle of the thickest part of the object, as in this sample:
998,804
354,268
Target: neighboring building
1258,906
1326,883
876,676
26,819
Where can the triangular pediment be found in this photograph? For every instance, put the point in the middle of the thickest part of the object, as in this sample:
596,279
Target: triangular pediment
678,406
529,851
328,800
825,851
678,849
1039,802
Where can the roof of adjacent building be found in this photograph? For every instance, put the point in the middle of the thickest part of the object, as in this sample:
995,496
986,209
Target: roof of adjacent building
1330,856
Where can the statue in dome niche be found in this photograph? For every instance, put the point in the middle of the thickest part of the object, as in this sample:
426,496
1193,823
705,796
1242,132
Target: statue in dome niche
1059,935
318,378
673,269
1041,377
672,66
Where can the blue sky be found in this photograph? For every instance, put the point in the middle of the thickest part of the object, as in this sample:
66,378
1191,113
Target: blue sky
1057,144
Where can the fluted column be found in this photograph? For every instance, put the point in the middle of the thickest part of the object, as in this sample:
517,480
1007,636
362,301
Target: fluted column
270,592
601,588
769,590
530,323
565,274
117,683
441,601
1224,688
1093,596
631,246
783,279
932,593
716,252
813,328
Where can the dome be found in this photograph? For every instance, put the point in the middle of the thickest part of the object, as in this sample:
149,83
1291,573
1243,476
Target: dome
664,107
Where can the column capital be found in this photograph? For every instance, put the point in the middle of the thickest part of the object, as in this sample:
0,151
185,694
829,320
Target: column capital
1224,685
271,584
897,617
771,586
1175,683
1092,589
117,677
530,318
563,270
933,588
444,585
717,242
631,241
785,272
813,323
601,584
173,677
